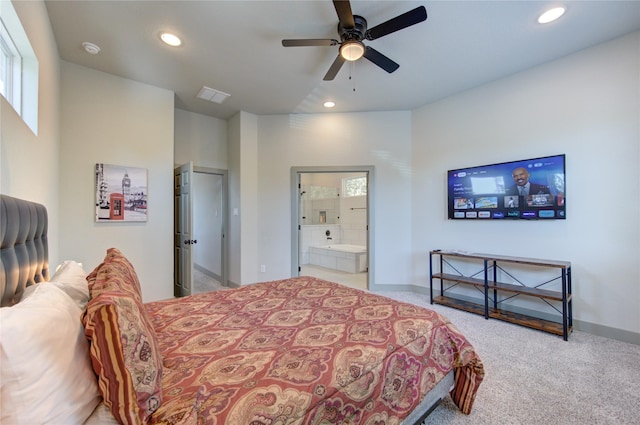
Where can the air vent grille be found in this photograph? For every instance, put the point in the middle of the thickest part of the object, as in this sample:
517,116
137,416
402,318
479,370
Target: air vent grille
212,95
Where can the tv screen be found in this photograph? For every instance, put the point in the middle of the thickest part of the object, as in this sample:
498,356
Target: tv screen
526,189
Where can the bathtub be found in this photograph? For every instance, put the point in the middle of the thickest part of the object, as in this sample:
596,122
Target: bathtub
343,257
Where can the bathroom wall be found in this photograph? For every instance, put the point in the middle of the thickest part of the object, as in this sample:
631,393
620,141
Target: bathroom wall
315,235
320,204
353,220
322,192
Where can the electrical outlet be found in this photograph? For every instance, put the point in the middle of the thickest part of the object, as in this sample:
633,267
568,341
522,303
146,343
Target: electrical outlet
263,268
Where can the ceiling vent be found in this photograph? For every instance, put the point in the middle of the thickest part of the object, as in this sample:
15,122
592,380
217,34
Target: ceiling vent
212,95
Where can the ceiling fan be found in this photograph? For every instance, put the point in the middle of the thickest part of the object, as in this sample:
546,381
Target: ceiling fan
353,30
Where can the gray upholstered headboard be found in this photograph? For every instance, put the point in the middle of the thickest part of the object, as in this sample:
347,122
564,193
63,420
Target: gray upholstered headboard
24,253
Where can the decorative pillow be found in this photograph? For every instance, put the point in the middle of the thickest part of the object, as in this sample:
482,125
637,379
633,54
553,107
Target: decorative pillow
115,273
46,372
125,356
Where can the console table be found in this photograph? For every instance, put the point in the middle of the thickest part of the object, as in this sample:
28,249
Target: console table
486,280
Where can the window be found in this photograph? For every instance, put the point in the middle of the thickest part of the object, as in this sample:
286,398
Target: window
18,67
354,186
10,66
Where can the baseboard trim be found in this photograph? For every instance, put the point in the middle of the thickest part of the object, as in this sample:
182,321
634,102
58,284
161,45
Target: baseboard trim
232,284
207,272
607,332
578,325
405,288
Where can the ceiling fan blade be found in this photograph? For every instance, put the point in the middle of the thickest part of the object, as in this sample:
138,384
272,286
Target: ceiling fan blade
381,60
405,20
310,42
343,9
335,67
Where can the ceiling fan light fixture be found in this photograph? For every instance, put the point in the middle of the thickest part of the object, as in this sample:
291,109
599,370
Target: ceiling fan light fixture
352,50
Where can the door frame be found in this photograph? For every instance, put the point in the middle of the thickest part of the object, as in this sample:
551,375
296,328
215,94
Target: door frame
295,212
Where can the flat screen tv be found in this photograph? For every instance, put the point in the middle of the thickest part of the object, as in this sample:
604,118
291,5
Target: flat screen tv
529,189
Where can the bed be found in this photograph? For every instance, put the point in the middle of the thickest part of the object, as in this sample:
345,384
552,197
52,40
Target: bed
82,347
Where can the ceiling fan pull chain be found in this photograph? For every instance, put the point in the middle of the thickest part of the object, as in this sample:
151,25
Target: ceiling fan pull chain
352,70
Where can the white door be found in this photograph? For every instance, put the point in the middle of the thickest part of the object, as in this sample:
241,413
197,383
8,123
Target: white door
183,238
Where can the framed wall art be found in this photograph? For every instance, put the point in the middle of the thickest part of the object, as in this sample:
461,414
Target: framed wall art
121,193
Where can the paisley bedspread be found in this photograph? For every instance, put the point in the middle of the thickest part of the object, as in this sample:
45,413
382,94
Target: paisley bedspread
304,351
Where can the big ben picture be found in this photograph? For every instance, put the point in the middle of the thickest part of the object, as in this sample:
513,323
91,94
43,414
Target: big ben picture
121,193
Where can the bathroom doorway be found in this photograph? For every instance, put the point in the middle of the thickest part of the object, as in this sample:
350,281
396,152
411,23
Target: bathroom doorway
331,223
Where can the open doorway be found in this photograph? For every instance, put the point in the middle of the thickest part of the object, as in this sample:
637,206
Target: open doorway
209,208
200,229
331,224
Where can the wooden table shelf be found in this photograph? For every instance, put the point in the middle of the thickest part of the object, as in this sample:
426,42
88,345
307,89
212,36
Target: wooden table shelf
491,289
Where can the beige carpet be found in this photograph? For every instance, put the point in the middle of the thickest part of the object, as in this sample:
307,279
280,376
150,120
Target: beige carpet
537,378
204,283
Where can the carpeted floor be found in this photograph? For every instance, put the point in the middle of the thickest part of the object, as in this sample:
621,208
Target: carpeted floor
537,378
203,283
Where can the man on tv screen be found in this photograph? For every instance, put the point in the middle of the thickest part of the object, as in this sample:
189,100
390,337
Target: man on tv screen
523,186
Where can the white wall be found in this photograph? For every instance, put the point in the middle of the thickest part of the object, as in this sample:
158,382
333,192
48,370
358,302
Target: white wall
586,106
111,120
243,207
201,139
381,139
28,162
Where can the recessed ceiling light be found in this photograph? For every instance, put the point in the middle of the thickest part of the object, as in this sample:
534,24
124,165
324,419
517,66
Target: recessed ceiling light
170,39
91,48
551,15
329,104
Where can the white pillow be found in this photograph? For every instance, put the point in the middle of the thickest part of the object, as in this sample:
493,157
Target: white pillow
72,279
102,416
46,374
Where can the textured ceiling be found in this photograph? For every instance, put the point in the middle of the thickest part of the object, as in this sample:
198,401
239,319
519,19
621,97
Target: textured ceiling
235,47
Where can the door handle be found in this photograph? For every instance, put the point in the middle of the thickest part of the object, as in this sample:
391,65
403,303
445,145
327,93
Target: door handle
190,241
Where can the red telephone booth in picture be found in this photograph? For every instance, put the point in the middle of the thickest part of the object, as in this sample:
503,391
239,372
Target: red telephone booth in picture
116,206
